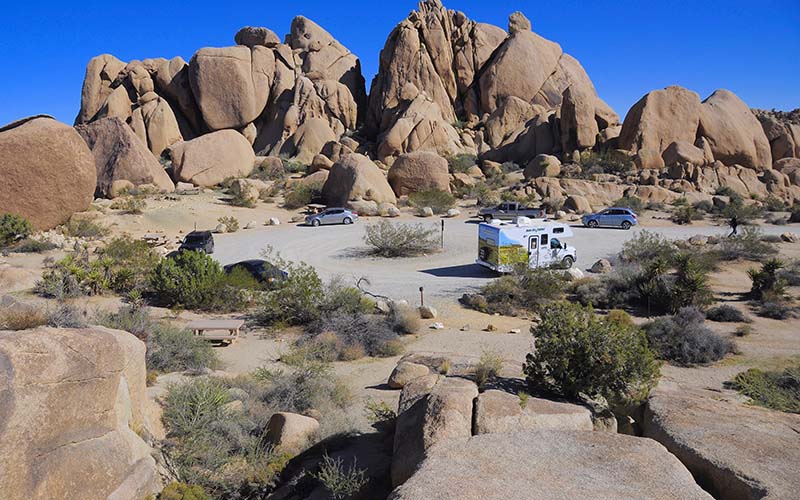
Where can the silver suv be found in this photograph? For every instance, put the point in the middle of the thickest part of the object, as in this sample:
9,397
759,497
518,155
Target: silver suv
332,216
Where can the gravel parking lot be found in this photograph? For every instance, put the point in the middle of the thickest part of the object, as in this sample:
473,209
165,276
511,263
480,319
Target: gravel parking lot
338,250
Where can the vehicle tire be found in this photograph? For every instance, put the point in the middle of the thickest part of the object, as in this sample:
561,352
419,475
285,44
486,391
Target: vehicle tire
626,225
592,224
567,262
315,223
347,220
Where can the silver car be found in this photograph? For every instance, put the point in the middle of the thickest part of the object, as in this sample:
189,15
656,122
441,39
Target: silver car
332,216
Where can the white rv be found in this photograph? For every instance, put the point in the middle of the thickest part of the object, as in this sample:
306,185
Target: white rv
539,243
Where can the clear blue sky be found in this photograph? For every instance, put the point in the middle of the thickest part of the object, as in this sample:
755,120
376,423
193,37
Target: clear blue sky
628,47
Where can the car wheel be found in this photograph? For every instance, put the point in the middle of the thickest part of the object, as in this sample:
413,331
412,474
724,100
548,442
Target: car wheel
315,223
592,224
626,225
348,220
567,262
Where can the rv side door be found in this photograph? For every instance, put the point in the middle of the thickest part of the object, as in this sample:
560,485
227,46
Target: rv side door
533,252
545,255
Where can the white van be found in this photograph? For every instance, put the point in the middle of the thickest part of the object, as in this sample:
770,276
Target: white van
502,245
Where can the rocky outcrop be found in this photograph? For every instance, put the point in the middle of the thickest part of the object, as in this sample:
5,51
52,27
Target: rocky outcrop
71,403
120,155
419,171
47,172
550,465
733,450
212,158
733,132
355,178
499,412
783,132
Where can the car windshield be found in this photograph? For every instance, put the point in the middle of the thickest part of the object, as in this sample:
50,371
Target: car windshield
194,238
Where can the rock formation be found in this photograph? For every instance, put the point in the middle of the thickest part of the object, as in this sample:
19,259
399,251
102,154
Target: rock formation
212,158
419,171
71,404
355,178
46,171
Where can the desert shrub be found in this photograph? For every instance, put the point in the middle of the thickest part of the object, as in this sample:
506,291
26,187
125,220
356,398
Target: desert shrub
439,201
774,309
771,238
690,287
579,352
388,239
183,491
608,162
350,334
301,194
645,247
743,212
747,245
743,330
726,314
704,206
461,162
66,316
767,282
618,316
684,340
475,301
269,171
23,318
293,166
771,389
13,228
487,368
633,202
524,290
240,199
85,228
340,481
726,191
404,318
230,223
378,412
791,273
30,245
129,205
774,204
296,300
685,215
132,263
309,383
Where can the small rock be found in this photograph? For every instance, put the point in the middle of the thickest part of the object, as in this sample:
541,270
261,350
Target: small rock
291,431
453,212
515,330
382,307
296,218
251,225
220,228
602,266
573,273
560,214
518,22
235,406
698,240
465,328
426,212
437,326
490,328
790,237
274,221
427,312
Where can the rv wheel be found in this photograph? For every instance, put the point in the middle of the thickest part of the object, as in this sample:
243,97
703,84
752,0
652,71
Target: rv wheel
567,262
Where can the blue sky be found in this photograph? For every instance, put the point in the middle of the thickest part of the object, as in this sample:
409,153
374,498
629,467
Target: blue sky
627,47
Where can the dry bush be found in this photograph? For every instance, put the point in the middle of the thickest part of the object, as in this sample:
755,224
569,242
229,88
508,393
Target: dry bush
387,239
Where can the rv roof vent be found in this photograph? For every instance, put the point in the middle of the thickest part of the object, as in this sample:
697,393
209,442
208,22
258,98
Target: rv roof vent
523,221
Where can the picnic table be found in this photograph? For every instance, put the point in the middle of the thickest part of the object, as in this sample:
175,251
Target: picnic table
232,327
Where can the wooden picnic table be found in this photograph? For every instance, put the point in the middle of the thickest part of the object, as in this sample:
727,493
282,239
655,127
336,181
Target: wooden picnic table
231,326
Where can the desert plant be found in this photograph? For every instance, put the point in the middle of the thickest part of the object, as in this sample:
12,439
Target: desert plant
269,170
608,162
767,282
743,330
301,194
646,246
378,412
774,204
684,340
293,166
30,245
230,223
774,309
438,200
191,279
461,162
691,286
685,214
183,491
726,314
404,318
748,245
487,368
633,202
340,481
129,205
22,318
523,290
772,389
240,199
13,228
579,352
85,228
388,239
296,300
351,334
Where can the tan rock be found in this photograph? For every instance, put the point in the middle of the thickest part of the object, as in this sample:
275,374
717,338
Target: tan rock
501,412
120,155
290,431
309,139
542,166
518,22
251,36
578,125
405,372
211,158
602,266
101,72
355,177
47,172
70,414
172,81
156,125
578,203
320,162
681,152
419,171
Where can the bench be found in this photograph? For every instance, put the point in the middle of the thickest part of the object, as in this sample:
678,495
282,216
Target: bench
231,326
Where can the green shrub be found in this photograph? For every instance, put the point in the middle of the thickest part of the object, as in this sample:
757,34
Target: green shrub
13,228
293,166
183,491
296,300
269,171
743,330
85,228
633,202
774,204
310,383
378,412
30,245
340,482
775,309
388,239
609,162
129,205
524,290
195,281
132,263
685,215
771,389
579,352
439,201
350,333
684,340
230,223
240,199
726,314
461,162
767,282
301,194
726,191
691,286
647,246
748,246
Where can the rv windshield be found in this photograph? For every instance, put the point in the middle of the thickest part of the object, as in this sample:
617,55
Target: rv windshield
554,243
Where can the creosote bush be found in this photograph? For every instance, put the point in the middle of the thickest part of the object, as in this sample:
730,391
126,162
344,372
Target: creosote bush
487,368
391,239
85,228
726,314
131,205
684,340
748,245
230,223
461,162
439,201
13,228
578,352
340,481
778,390
522,291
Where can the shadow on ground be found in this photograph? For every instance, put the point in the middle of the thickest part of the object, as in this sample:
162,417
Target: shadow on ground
462,271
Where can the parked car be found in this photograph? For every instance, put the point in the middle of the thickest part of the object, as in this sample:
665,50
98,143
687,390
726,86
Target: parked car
198,240
612,217
510,210
332,216
261,270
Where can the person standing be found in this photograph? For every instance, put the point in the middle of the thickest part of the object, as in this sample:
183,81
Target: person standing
734,224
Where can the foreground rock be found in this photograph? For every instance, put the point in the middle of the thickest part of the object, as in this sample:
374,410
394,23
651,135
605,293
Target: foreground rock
212,158
499,412
70,402
120,155
47,172
734,450
550,465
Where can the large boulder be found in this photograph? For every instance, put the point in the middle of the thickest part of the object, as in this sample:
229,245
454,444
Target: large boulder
782,131
251,36
101,72
578,125
71,404
154,122
734,133
501,412
735,450
682,152
120,155
550,465
657,120
542,166
354,177
290,431
419,171
212,158
47,172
